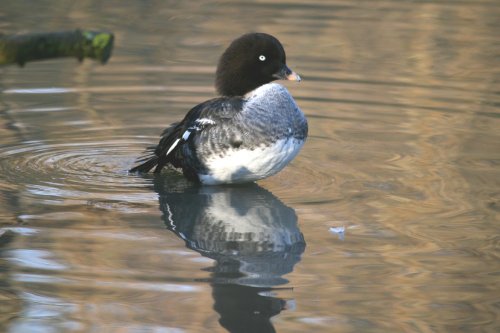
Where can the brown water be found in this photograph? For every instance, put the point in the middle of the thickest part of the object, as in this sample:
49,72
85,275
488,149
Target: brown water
403,102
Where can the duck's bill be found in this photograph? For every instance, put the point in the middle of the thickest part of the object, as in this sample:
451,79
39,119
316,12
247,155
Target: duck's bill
293,77
287,74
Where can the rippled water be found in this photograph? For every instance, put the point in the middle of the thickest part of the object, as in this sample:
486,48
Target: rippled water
386,222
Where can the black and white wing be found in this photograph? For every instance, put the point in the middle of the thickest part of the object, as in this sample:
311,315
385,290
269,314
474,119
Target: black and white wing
203,117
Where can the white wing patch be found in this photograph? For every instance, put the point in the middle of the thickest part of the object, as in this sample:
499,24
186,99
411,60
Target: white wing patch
172,147
186,134
204,121
199,126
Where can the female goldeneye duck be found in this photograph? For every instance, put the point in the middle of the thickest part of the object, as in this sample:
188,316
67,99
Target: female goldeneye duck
249,133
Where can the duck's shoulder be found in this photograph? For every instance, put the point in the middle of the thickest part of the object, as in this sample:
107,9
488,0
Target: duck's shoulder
214,109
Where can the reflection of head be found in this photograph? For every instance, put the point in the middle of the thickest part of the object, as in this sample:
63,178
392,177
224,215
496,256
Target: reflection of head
244,309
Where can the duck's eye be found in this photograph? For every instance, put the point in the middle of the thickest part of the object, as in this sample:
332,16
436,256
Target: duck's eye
262,57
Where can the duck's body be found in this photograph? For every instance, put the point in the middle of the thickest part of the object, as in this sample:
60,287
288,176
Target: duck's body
253,131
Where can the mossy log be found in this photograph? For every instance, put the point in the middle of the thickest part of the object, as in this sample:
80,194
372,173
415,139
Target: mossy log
19,49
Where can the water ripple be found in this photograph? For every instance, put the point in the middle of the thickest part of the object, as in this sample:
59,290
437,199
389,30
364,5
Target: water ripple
94,171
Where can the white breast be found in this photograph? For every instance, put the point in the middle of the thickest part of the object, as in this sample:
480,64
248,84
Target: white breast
240,165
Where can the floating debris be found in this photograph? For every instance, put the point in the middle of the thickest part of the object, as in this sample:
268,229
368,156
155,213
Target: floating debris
339,231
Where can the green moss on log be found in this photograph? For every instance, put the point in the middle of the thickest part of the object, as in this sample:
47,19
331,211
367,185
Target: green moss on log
80,44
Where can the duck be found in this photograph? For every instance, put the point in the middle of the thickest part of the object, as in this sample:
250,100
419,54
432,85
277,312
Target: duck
251,131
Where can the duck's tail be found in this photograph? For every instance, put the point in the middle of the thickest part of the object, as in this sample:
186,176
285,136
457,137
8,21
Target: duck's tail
158,156
147,163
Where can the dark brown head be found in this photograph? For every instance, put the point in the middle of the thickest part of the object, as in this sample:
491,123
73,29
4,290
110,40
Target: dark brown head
250,61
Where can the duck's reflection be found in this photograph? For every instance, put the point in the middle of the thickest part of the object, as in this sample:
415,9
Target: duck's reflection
253,238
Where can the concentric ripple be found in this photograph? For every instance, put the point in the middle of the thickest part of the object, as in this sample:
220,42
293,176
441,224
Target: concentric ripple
88,170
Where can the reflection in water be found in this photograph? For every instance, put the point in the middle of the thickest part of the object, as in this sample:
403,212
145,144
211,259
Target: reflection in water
10,302
253,238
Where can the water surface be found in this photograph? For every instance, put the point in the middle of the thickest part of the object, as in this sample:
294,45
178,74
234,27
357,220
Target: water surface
387,221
